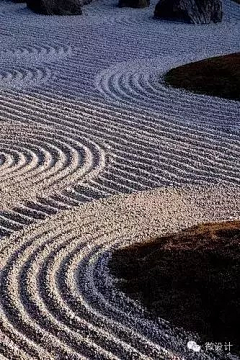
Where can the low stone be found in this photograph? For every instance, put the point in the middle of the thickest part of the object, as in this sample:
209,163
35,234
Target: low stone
55,7
134,3
191,11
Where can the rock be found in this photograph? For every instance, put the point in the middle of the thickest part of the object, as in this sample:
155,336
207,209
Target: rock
191,11
56,7
134,3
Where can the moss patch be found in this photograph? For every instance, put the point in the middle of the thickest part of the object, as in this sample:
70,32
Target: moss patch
191,279
218,76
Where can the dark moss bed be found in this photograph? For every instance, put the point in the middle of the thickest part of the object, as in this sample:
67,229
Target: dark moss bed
217,76
191,279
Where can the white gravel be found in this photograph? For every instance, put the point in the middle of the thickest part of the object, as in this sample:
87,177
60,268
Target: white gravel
85,115
58,299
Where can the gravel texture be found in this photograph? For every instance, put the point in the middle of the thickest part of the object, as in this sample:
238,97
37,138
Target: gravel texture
58,299
85,115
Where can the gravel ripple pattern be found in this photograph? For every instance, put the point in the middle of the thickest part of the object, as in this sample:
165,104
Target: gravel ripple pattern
85,116
57,297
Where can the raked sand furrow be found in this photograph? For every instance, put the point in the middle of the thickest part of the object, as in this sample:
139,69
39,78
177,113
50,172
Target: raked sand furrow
18,77
26,66
207,150
134,83
43,53
85,115
169,121
43,160
110,116
56,290
196,145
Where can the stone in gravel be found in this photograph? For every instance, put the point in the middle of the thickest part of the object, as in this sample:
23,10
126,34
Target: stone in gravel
56,7
191,11
134,3
190,278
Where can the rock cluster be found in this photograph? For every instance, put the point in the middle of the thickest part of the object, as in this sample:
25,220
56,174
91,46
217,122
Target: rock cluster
191,11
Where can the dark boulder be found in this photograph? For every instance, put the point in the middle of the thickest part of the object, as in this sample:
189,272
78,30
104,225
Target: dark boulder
134,3
191,11
56,7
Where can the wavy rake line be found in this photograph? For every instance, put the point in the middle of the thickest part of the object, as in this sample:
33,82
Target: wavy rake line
134,17
18,76
140,83
97,106
149,118
121,180
130,18
57,297
31,286
9,349
42,53
183,153
33,304
24,77
38,162
147,165
94,111
180,132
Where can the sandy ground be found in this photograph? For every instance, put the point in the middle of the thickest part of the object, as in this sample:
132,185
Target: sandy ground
84,116
58,299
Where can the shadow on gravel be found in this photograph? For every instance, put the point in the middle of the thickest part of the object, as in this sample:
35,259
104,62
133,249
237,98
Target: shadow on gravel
191,279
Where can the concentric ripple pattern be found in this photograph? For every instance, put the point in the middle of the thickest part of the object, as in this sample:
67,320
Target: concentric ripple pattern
58,299
37,161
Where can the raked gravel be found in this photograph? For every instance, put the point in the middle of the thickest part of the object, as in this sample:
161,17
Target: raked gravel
85,115
57,297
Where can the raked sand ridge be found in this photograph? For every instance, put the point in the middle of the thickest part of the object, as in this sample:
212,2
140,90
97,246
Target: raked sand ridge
58,299
85,115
